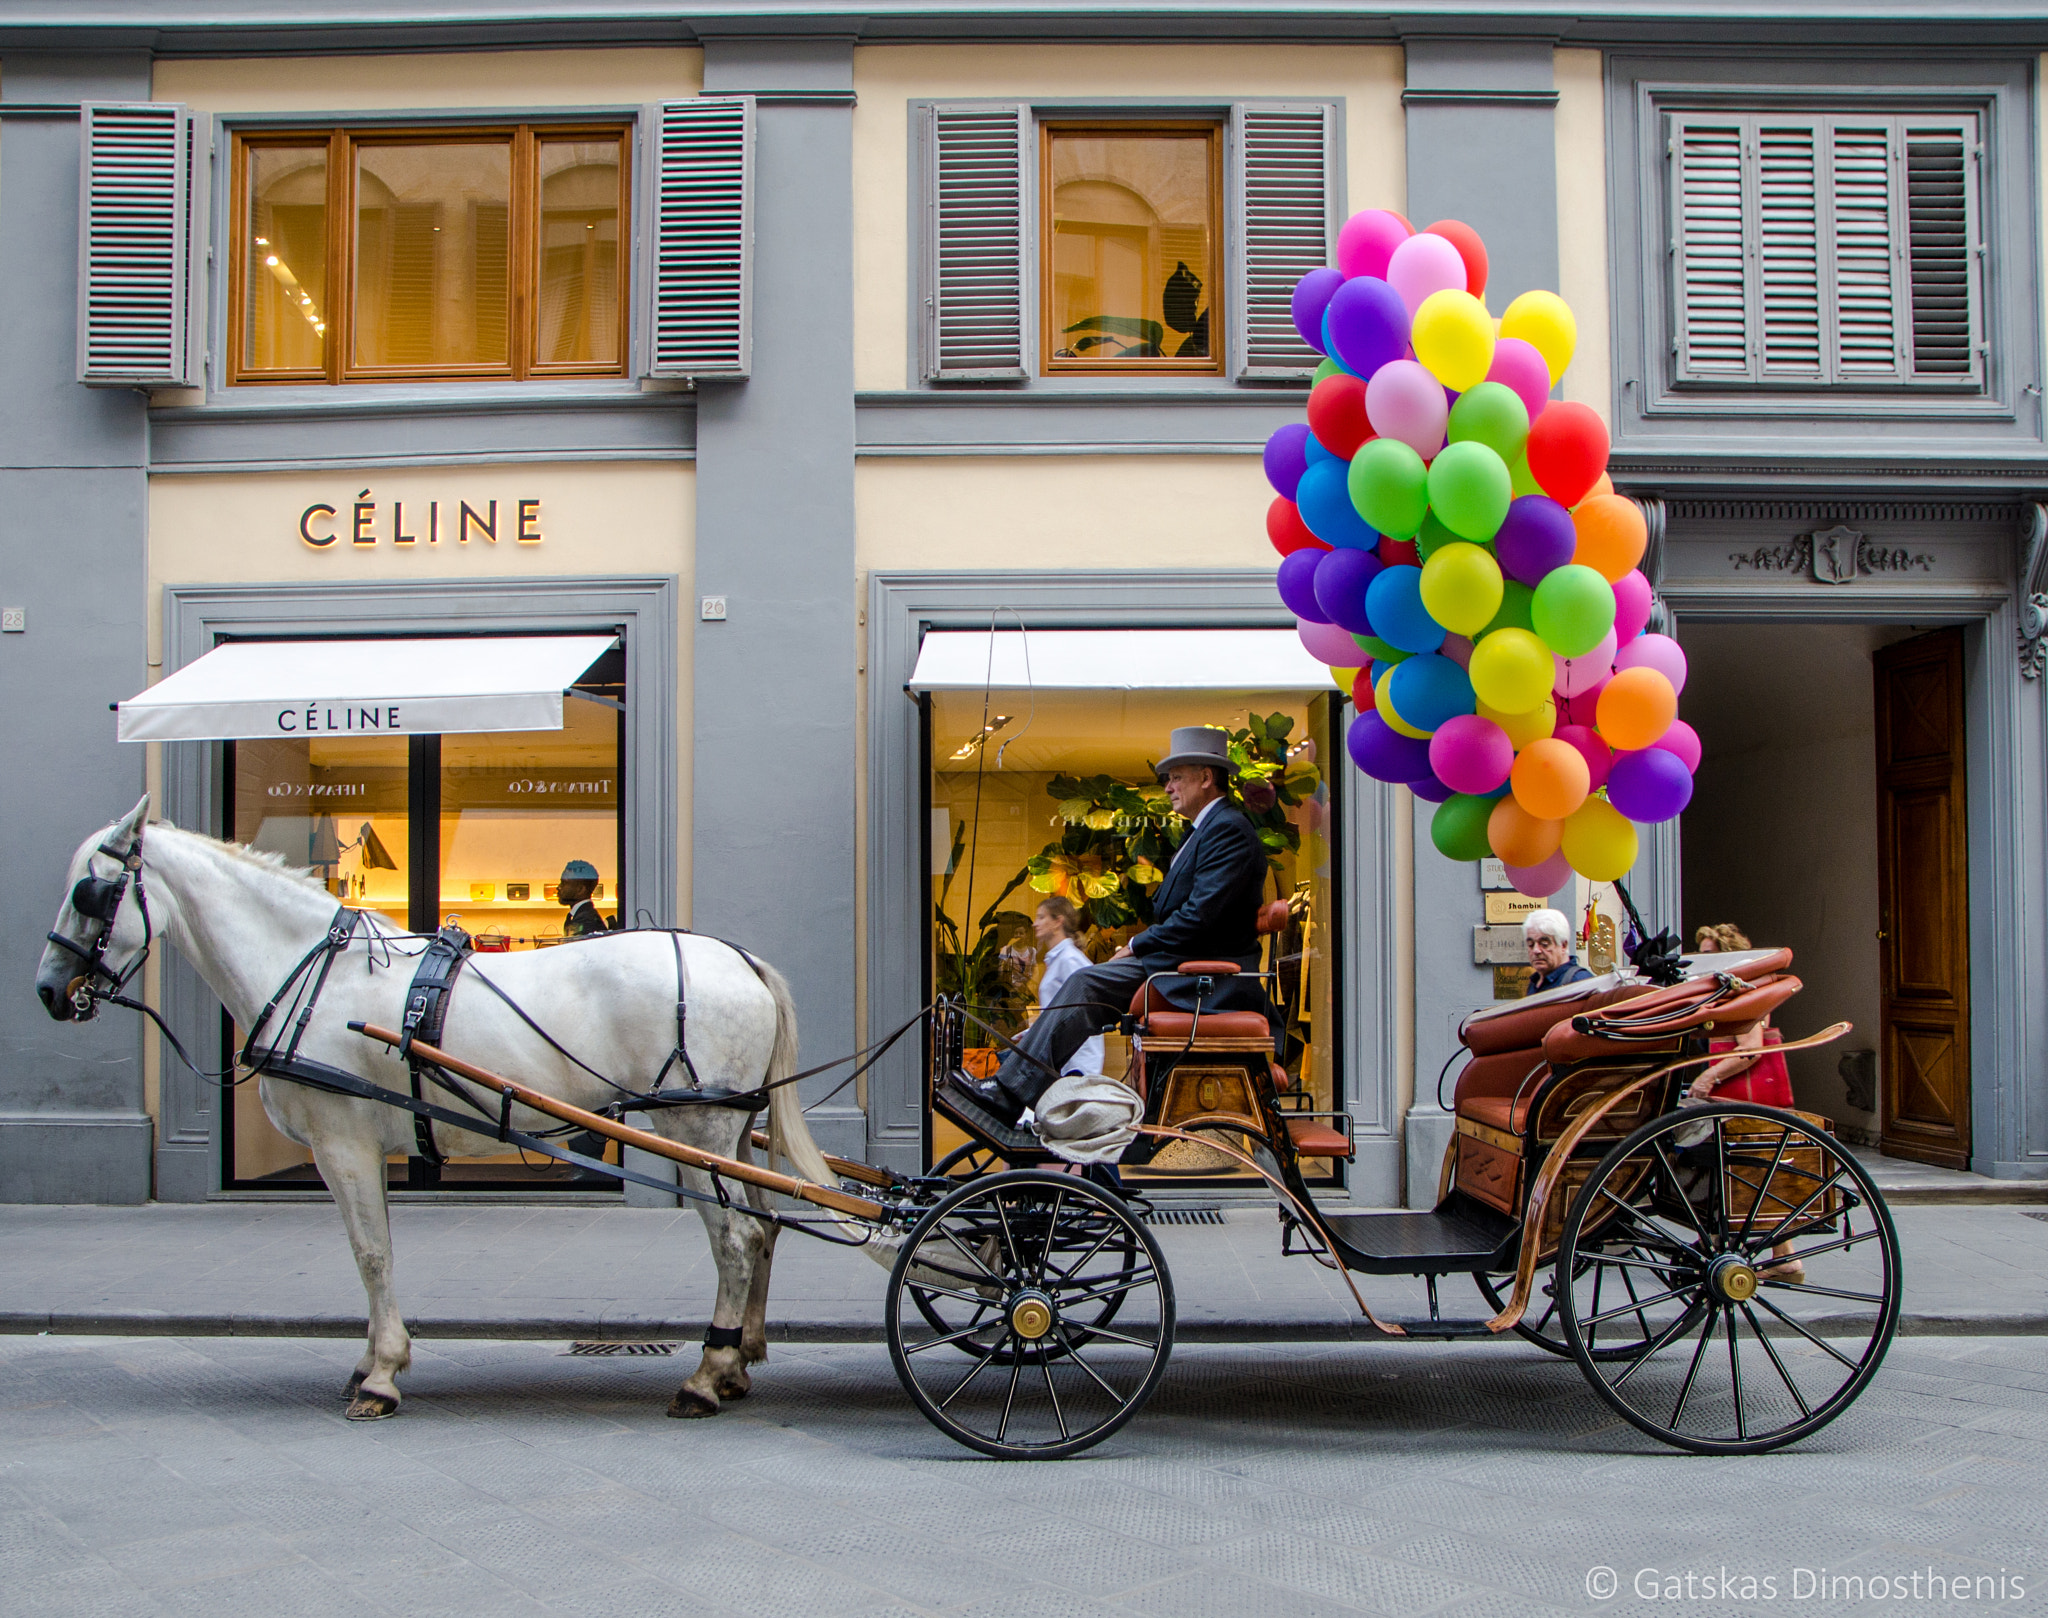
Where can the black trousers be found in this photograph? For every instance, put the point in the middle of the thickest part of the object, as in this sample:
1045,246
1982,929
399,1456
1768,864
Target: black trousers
1093,999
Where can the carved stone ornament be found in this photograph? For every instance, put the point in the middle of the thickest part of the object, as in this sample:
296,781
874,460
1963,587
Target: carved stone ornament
1838,555
2033,601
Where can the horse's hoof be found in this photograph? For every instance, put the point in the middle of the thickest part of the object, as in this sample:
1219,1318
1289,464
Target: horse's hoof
688,1405
371,1407
738,1388
355,1384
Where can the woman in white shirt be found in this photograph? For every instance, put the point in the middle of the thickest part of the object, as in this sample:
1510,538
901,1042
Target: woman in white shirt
1057,924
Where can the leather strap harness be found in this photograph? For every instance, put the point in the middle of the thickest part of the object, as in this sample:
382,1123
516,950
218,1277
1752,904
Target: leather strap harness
426,1011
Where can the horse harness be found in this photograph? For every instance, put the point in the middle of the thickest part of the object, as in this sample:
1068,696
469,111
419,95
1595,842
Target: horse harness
426,1010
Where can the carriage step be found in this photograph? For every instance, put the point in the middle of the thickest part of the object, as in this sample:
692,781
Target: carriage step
1415,1243
983,1125
1444,1330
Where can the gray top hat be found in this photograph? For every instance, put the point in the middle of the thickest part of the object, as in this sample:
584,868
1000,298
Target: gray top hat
1198,744
579,871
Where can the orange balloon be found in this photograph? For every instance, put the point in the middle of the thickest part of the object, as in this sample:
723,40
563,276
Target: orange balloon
1603,484
1637,706
1612,535
1519,837
1551,779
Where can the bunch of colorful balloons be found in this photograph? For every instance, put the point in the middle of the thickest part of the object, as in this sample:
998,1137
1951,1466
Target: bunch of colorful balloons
1452,547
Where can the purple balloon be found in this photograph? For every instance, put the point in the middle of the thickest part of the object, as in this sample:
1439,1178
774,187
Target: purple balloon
1384,753
1536,538
1287,457
1297,582
1311,297
1429,789
1368,324
1342,577
1649,786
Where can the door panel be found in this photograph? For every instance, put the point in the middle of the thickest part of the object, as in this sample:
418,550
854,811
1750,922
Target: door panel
1923,899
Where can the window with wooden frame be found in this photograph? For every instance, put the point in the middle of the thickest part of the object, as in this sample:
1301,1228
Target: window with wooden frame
1826,250
1131,264
444,254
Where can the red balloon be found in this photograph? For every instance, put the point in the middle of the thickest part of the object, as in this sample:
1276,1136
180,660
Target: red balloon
1567,450
1363,697
1470,248
1336,415
1286,530
1399,553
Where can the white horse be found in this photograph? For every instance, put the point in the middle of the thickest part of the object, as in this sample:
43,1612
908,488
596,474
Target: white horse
244,919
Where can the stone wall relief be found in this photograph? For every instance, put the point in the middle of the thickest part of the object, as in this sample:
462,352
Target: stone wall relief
1838,555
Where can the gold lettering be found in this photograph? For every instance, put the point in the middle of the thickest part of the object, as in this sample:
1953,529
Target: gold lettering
398,534
305,531
488,529
529,522
365,514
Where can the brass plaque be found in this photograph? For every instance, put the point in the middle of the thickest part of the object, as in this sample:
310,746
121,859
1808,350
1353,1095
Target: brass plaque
1510,982
1505,907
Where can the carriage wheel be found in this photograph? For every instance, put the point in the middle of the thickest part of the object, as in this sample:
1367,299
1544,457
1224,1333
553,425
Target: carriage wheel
1734,1356
1014,1271
971,1159
1608,1283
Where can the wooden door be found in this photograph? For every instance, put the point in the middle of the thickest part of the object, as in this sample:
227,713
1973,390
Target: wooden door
1923,900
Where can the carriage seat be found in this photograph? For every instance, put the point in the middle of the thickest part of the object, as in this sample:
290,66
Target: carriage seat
1159,1019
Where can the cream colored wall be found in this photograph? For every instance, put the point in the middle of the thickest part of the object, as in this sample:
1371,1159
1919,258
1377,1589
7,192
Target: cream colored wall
608,519
574,78
1582,222
887,77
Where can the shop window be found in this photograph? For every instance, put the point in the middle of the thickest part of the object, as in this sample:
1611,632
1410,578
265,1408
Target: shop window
1054,796
476,828
1130,230
459,254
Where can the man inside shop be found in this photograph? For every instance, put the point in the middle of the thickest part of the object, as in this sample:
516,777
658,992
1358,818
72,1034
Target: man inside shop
578,884
1207,909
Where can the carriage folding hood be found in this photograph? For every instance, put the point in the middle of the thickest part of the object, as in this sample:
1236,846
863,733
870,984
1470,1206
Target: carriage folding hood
269,689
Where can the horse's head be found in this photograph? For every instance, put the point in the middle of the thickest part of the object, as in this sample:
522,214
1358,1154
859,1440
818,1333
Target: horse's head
101,929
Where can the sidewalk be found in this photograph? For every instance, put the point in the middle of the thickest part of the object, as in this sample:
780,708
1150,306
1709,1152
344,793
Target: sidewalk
525,1271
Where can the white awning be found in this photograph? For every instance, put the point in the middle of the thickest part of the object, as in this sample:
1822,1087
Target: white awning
363,687
1117,660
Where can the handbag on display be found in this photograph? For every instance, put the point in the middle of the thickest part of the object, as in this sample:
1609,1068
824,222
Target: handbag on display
1767,1083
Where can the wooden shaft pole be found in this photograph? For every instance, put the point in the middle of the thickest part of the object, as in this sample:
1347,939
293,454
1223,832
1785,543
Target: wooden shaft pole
822,1196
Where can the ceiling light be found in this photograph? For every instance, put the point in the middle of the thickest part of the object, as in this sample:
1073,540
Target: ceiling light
973,744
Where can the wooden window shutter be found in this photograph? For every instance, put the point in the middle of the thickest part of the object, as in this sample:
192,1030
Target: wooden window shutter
1710,242
699,238
1940,164
975,227
1789,313
134,234
1283,175
1864,231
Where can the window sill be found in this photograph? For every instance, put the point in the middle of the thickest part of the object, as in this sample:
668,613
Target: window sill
1158,389
250,403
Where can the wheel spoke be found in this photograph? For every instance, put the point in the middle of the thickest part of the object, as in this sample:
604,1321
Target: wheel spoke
1637,1306
1676,1329
951,1337
1677,1189
1784,1140
1819,1292
1777,1231
1593,1340
1648,1235
1097,1294
1082,1263
1074,1354
1693,1370
1052,1226
1735,1381
1010,1398
1629,1284
981,1365
1053,1394
972,1258
1123,1337
1628,1261
1817,1342
1009,1242
1783,1375
1838,1243
1720,1192
948,1292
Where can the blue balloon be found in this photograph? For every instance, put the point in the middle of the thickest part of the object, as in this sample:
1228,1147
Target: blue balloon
1324,496
1296,581
1394,599
1312,450
1330,348
1341,580
1287,458
1429,689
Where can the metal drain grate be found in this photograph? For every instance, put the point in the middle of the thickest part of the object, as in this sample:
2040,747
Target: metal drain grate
2034,1213
1180,1214
622,1348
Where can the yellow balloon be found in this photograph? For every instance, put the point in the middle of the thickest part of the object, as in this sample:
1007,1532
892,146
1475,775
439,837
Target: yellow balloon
1599,841
1524,728
1461,587
1345,678
1544,320
1385,704
1453,338
1512,670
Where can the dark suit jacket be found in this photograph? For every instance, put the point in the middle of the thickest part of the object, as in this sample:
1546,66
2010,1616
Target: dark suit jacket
1207,909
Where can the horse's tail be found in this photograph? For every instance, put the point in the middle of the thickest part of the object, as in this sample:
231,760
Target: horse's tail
788,1135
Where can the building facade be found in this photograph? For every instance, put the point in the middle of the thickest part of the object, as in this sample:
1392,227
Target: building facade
774,340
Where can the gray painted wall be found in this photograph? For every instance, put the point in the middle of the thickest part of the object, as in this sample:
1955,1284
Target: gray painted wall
72,1128
773,853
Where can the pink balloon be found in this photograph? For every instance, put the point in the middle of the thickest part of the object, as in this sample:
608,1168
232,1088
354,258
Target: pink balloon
1581,709
1632,600
1327,643
1470,754
1683,740
1598,755
1541,881
1577,674
1521,366
1659,652
1404,401
1423,265
1368,240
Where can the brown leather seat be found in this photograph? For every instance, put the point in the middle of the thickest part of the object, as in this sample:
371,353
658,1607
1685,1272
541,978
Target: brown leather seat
1221,1024
1656,1022
1314,1138
1510,1113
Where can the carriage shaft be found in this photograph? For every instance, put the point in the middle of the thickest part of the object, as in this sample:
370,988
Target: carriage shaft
822,1196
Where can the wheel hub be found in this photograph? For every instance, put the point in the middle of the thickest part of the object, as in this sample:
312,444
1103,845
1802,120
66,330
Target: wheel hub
1732,1279
1030,1314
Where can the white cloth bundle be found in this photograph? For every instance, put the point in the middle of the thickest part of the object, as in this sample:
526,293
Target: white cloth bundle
1087,1118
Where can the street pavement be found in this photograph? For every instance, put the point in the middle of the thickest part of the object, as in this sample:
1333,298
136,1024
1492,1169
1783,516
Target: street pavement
215,1476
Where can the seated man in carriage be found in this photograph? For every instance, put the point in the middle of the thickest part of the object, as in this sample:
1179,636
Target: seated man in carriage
1206,909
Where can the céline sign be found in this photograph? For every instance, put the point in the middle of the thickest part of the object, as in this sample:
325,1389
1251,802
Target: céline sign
366,521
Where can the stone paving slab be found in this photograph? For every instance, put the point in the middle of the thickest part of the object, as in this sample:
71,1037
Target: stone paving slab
284,1269
141,1477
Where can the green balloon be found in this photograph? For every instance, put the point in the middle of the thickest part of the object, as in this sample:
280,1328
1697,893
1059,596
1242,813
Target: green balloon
1469,488
1520,478
1432,537
1378,650
1491,414
1328,368
1458,828
1572,609
1514,608
1390,487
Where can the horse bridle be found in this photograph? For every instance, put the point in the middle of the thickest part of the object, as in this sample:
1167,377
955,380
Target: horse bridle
99,899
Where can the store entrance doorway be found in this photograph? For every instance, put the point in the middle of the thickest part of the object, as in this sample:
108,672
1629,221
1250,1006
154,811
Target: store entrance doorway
1785,839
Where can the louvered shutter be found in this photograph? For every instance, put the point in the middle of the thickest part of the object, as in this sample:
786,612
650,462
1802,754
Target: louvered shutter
1787,309
1940,166
134,264
1710,249
699,238
1283,173
977,236
1864,232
